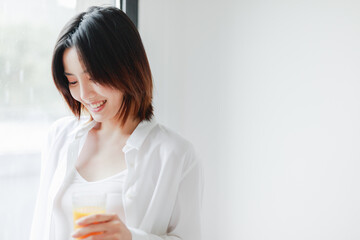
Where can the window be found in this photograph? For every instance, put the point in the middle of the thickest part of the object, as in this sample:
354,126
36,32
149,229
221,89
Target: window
29,101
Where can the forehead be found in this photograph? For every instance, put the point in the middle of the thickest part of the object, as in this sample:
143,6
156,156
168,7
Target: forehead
72,63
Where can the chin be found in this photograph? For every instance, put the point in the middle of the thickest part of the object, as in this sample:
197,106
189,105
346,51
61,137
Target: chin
98,118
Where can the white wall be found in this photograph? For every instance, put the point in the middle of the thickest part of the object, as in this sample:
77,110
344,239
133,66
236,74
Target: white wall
268,93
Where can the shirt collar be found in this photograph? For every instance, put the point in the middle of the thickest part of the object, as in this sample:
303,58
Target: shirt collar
139,135
85,124
135,140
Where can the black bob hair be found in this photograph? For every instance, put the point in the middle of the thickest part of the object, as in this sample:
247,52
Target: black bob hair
110,47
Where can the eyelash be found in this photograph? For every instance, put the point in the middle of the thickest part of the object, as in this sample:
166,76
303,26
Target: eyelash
72,83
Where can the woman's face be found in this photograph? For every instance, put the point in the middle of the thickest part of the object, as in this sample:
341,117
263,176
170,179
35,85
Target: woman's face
102,102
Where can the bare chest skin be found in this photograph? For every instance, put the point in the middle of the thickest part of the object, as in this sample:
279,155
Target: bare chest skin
101,158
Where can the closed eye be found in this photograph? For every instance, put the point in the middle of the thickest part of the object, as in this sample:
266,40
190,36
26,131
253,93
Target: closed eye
70,77
72,83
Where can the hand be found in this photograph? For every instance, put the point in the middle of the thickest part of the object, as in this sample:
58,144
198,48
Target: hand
106,226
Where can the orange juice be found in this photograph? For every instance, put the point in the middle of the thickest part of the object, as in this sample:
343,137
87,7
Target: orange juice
80,212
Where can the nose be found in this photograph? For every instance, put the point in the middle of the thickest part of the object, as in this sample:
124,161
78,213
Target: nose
87,92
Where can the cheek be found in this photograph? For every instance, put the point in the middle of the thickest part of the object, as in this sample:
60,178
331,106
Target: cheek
117,99
75,94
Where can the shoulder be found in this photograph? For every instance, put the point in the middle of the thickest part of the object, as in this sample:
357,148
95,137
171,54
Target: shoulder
172,146
64,126
169,140
56,139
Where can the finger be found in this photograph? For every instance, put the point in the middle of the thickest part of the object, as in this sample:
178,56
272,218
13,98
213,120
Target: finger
93,236
104,237
112,227
96,218
109,237
91,229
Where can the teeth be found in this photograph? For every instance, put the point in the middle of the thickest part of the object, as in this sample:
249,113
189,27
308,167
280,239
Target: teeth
97,105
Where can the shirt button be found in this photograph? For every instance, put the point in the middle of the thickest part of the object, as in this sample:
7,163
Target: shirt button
131,164
129,195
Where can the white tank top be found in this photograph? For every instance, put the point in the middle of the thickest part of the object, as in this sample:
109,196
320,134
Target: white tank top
62,224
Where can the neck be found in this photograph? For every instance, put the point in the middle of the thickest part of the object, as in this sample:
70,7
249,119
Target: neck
112,129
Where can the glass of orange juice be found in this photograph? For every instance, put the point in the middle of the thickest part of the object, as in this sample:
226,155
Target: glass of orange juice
87,203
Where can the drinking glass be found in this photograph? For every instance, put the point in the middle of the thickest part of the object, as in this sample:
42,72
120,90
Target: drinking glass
87,203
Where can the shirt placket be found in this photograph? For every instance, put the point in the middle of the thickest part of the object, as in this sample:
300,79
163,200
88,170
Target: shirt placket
61,177
129,193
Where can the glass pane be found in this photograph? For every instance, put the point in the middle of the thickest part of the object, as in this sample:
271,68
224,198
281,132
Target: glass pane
29,101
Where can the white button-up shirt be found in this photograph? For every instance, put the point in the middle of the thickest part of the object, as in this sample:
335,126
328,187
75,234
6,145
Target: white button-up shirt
163,188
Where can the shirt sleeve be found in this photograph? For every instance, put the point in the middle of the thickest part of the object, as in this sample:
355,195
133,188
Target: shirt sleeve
39,212
185,222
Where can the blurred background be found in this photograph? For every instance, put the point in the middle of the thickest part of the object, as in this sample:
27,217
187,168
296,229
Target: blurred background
266,90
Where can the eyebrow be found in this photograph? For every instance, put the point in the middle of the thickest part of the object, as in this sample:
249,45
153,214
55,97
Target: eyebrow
70,74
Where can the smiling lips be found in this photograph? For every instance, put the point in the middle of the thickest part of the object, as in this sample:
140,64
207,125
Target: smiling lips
97,105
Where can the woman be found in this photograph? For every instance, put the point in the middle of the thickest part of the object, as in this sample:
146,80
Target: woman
151,176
